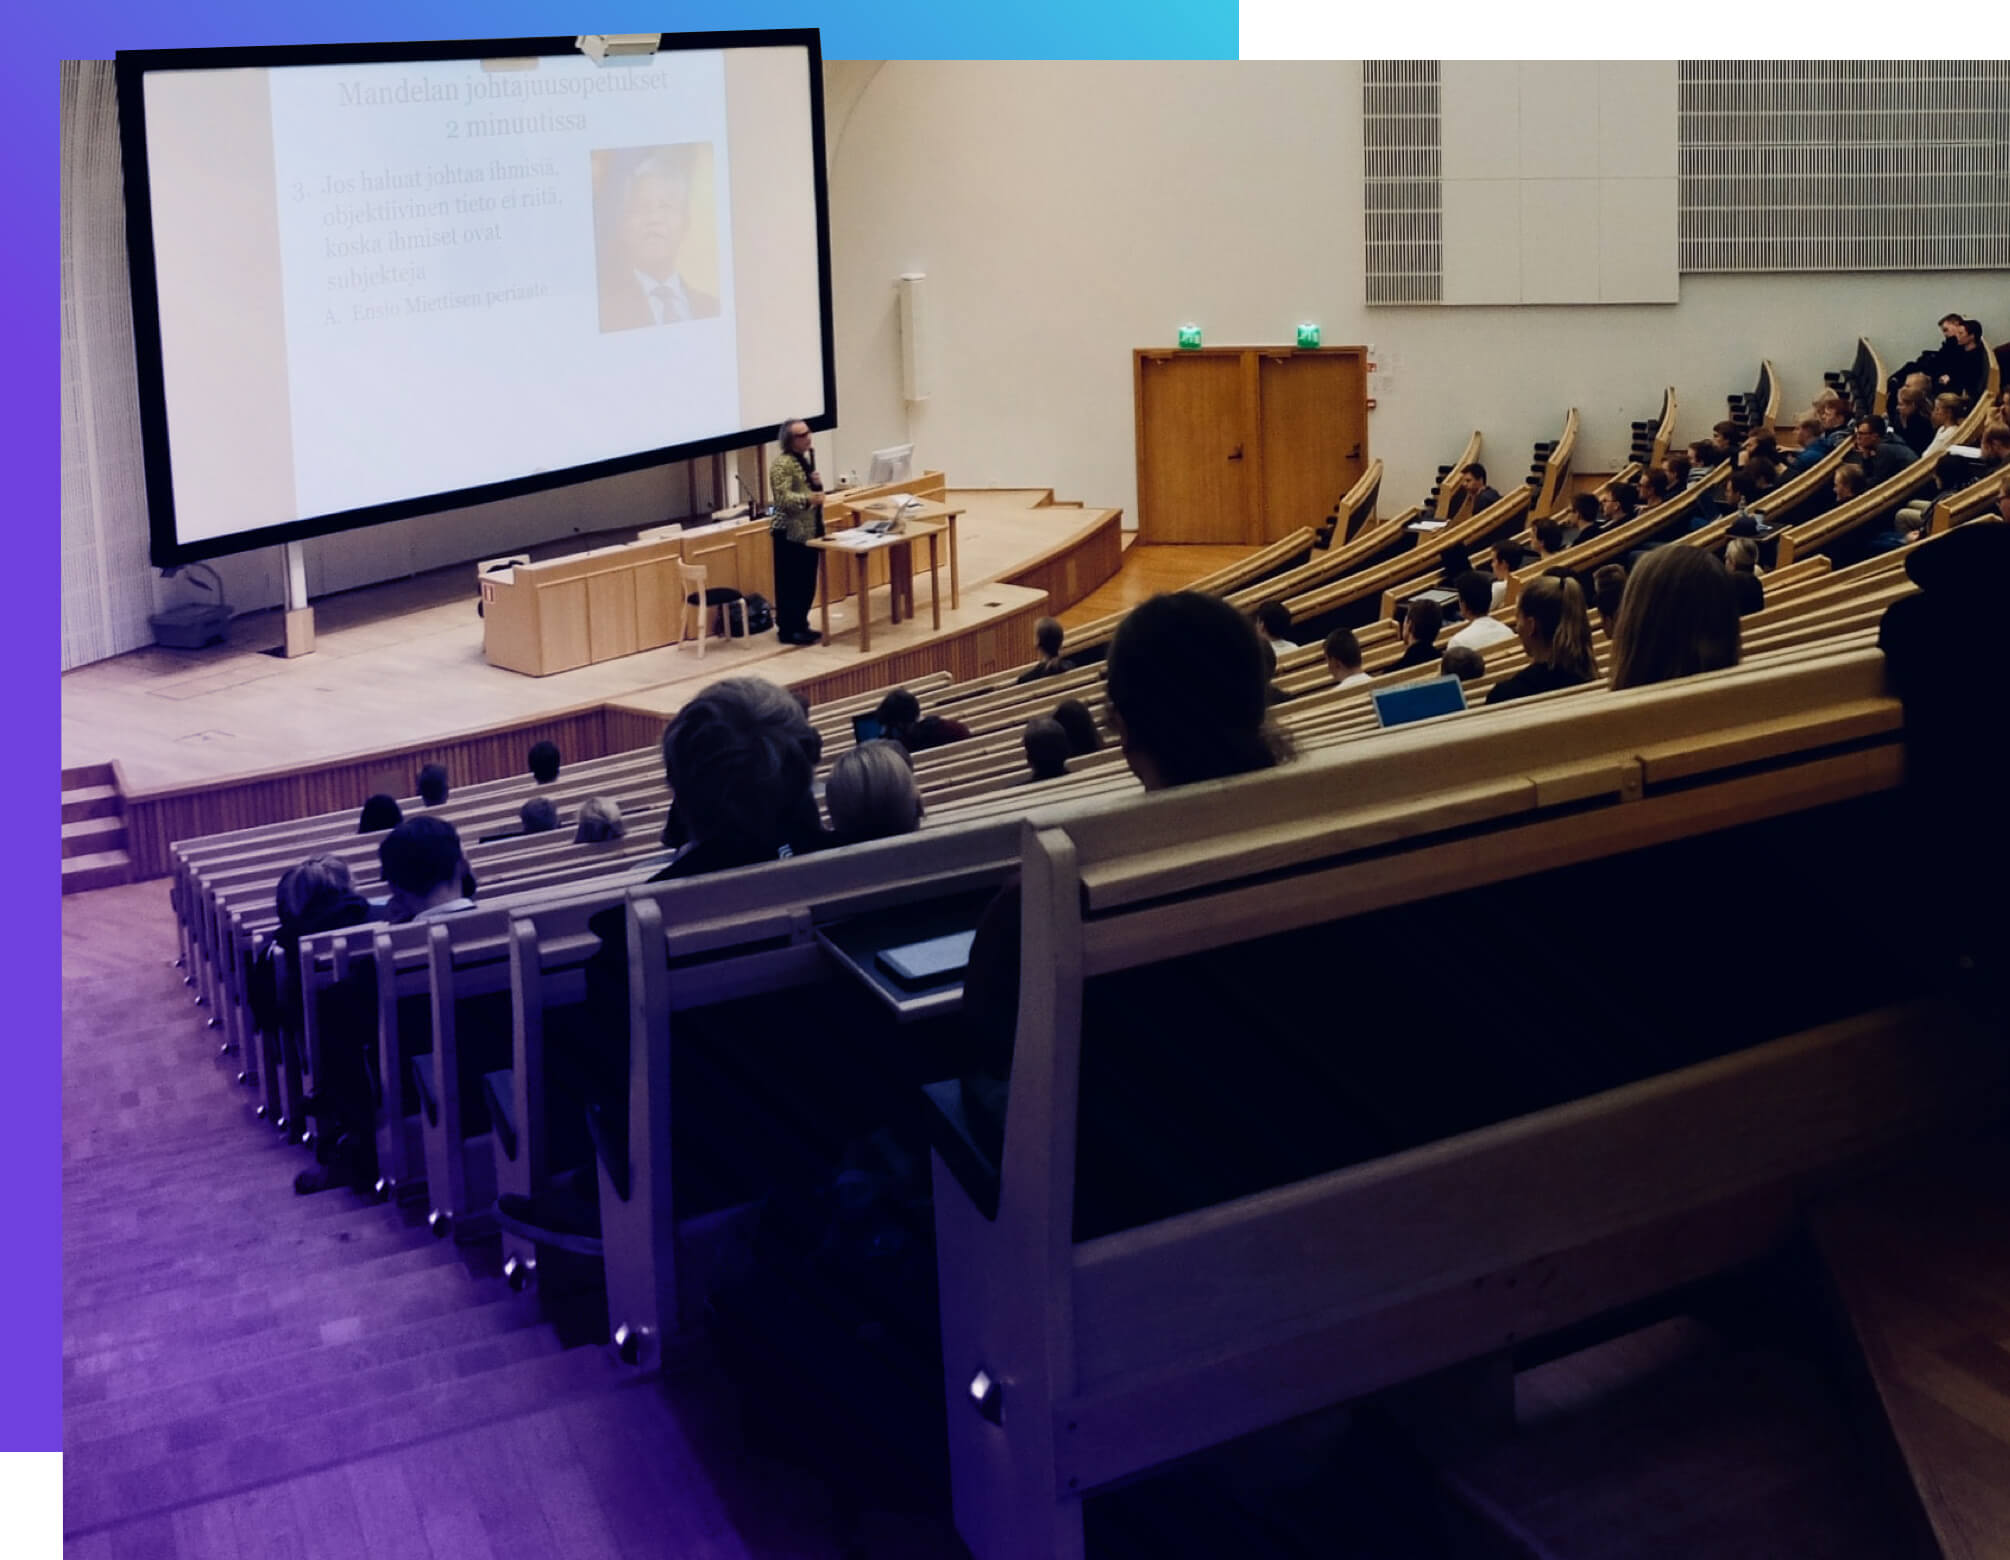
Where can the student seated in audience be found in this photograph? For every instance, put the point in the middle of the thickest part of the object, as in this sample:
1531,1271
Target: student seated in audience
1073,717
1832,425
1965,370
1508,557
1746,490
899,715
433,785
1588,518
1186,693
1657,487
1463,662
544,762
1343,659
1883,457
872,795
600,820
1725,438
734,758
1481,631
1934,361
1273,623
1548,537
1704,459
1812,444
380,812
1679,617
1608,584
1420,635
1049,636
1046,746
1556,634
422,861
1911,421
1681,470
1471,495
1945,417
540,815
1454,561
315,896
1741,561
1619,504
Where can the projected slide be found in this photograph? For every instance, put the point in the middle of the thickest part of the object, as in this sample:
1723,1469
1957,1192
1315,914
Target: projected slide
379,282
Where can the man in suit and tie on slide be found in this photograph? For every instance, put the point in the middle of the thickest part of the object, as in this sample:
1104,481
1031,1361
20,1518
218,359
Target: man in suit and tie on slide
643,201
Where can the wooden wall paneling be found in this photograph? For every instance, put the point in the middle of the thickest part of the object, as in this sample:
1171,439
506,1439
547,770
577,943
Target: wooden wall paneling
658,619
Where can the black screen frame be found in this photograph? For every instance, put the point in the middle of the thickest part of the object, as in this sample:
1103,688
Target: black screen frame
132,66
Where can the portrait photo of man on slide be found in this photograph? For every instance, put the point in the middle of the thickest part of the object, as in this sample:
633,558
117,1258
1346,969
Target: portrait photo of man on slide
655,236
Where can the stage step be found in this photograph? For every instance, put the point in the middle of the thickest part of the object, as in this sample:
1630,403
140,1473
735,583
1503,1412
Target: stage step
87,774
88,836
100,869
1920,1265
90,801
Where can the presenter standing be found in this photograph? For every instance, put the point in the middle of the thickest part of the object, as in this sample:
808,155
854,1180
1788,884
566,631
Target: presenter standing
799,520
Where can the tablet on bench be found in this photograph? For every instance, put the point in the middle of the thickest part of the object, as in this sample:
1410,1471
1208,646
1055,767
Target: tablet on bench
1418,701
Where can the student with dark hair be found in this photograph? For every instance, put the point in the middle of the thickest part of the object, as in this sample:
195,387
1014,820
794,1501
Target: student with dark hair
1934,361
1548,538
1186,694
313,897
1049,636
1471,495
1657,487
1608,585
1679,617
1704,454
1725,437
1682,470
1965,369
380,812
899,715
1454,561
1588,517
872,795
734,758
1046,747
544,762
1420,635
433,784
540,815
421,859
1621,502
1464,663
1343,659
1883,457
1273,622
1481,630
1073,717
1556,633
1508,557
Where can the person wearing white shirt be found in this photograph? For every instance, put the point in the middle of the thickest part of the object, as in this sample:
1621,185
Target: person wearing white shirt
1481,631
1273,622
1343,658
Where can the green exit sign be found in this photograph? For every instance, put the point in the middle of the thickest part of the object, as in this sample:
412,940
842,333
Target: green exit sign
1189,338
1308,335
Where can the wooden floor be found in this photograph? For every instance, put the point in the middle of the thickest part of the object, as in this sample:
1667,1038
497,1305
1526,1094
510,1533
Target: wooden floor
1149,569
250,1375
402,663
1922,1266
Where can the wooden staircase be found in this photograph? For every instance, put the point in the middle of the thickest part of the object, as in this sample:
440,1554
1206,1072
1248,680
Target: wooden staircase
94,830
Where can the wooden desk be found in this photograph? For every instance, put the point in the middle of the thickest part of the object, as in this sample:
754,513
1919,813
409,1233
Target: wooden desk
540,618
899,546
881,508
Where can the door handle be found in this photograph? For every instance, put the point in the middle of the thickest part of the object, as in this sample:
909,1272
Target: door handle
1354,453
1236,453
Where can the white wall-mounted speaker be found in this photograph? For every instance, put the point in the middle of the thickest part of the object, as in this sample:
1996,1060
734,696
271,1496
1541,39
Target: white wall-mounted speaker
914,376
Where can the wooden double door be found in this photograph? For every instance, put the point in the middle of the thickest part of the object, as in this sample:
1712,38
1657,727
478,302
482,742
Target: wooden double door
1243,445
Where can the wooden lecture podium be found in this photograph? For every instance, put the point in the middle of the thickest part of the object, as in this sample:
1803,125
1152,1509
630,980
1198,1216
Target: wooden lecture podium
565,613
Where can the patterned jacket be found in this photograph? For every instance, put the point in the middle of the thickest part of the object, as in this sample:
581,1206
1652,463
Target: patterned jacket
796,518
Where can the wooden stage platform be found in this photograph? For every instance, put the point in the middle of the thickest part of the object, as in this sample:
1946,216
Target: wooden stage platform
229,737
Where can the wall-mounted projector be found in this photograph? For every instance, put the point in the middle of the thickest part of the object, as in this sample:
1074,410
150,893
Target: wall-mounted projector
605,47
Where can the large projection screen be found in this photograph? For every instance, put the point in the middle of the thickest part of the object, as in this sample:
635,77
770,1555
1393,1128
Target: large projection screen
380,281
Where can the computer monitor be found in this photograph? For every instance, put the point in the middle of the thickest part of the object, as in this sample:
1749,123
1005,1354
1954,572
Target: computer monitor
1418,701
891,465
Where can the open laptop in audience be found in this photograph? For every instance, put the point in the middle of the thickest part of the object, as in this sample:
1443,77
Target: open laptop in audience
1418,701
